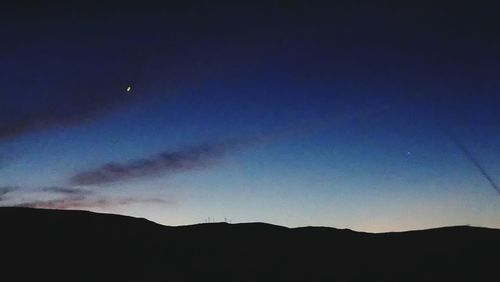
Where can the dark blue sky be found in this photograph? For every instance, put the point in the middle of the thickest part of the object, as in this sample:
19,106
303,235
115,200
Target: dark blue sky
288,112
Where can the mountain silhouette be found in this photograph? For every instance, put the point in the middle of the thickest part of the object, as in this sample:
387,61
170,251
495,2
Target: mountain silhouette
63,245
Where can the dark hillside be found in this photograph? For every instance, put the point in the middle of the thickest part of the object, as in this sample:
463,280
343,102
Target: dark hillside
85,246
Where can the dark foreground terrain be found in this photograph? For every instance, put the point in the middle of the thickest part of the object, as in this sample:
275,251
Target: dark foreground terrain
82,246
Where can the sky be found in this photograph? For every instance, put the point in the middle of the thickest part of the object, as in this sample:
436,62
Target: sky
370,116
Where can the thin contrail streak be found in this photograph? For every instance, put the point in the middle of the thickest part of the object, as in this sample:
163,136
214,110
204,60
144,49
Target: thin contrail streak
468,154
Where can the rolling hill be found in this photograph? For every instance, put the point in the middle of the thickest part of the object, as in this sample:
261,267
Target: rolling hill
56,245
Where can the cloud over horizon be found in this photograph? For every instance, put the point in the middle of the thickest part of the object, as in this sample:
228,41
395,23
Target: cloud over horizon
5,190
65,190
75,198
81,201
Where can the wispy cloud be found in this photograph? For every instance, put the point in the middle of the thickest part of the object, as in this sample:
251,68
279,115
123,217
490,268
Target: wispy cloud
65,190
200,156
74,91
74,198
70,91
84,202
163,163
5,190
80,109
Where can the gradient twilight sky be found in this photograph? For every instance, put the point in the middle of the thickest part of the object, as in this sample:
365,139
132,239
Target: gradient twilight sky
288,112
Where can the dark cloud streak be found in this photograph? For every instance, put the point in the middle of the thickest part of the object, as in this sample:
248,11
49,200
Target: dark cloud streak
80,201
200,156
163,163
75,106
65,190
62,88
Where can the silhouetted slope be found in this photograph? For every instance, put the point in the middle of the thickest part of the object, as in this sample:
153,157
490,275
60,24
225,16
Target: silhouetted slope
78,245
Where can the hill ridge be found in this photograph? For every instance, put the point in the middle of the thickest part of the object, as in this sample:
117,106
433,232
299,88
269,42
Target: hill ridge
89,246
